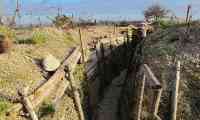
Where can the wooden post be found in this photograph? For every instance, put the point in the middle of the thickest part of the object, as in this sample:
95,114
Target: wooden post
27,104
114,31
141,97
157,97
155,84
103,68
82,46
188,13
175,92
188,19
75,94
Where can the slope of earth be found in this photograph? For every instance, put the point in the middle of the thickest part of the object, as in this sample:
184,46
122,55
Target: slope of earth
163,48
20,66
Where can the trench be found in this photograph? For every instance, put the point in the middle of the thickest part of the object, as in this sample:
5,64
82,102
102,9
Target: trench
113,77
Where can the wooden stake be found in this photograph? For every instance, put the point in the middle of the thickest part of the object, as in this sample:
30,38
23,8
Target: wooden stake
157,97
141,97
75,95
103,68
82,46
175,92
188,13
153,82
27,104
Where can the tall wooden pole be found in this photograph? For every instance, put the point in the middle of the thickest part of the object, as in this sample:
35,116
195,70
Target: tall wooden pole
157,97
188,13
141,97
175,92
82,46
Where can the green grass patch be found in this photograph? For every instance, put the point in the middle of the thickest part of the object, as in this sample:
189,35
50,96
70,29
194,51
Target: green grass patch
67,37
8,32
79,72
164,24
39,37
25,41
47,108
4,105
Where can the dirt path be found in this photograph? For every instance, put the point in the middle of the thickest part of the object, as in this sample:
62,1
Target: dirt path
108,107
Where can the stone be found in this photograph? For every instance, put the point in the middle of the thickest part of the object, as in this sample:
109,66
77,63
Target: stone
50,63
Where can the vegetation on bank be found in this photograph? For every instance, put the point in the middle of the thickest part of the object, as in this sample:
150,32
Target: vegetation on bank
162,49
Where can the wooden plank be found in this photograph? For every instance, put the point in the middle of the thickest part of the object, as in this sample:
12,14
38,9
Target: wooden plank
28,105
64,84
156,103
91,72
94,92
175,92
141,97
44,91
152,81
91,65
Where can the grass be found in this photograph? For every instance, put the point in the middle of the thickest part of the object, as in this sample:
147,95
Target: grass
39,37
47,108
18,67
162,50
44,35
4,105
7,32
81,80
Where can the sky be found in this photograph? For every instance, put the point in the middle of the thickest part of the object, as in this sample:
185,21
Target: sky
95,9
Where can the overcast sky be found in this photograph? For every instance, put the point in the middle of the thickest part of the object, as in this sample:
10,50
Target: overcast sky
100,9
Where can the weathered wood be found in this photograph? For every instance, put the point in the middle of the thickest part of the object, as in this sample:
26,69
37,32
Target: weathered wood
44,91
91,73
10,98
91,66
141,97
75,94
103,68
155,84
108,107
153,81
174,100
156,102
82,46
188,13
64,84
94,91
28,105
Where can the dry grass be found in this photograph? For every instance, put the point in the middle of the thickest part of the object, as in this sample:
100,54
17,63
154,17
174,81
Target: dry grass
19,69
